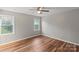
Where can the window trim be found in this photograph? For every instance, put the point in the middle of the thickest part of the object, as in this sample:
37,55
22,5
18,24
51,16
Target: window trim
39,24
13,23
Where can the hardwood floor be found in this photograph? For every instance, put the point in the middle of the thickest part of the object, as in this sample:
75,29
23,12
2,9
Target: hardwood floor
39,44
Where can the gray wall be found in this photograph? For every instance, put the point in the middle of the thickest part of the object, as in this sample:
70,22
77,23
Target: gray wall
64,26
23,27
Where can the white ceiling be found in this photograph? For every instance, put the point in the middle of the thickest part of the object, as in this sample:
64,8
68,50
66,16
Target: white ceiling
32,10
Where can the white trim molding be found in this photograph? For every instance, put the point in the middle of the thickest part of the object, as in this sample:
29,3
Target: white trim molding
20,39
60,39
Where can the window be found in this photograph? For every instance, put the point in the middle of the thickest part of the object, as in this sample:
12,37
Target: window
6,24
37,24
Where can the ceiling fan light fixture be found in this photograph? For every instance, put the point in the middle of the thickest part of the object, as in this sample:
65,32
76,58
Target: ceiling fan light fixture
39,12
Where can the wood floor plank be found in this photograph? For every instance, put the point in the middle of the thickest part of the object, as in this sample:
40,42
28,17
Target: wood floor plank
39,44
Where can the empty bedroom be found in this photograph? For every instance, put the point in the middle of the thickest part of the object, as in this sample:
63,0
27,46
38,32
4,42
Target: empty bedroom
39,29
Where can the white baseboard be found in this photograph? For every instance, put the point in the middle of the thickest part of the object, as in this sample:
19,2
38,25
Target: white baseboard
61,39
38,35
20,39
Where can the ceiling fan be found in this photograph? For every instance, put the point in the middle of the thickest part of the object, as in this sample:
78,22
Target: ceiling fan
40,10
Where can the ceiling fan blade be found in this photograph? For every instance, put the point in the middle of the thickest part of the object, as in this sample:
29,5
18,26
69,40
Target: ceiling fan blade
38,8
45,10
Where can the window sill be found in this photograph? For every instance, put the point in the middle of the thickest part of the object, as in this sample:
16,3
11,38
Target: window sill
7,34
